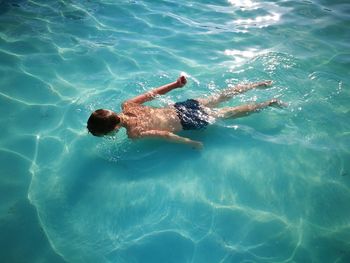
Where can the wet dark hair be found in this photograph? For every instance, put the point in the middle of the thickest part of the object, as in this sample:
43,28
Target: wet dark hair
102,122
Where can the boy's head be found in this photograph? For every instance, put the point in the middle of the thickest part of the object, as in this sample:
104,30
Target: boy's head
102,122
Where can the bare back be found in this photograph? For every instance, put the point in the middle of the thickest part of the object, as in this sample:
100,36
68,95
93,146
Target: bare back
141,118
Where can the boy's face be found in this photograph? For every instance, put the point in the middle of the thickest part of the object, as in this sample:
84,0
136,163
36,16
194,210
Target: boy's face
114,132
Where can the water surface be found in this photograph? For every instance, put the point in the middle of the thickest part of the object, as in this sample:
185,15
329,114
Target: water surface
272,187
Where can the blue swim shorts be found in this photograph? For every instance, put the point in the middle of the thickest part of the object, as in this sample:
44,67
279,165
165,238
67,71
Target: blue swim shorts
191,115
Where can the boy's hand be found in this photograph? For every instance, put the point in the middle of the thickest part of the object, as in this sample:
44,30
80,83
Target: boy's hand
181,81
197,145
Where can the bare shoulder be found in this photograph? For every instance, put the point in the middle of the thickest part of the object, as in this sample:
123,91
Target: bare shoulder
129,104
133,134
132,108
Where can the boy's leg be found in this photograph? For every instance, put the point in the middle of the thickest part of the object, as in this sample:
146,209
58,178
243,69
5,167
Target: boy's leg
245,110
228,93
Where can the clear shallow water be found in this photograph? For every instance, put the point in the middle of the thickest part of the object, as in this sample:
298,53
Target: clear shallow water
272,187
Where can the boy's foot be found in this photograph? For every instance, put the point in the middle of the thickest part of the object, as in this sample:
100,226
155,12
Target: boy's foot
277,103
264,84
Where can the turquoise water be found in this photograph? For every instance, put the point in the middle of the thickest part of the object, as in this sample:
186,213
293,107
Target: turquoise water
271,187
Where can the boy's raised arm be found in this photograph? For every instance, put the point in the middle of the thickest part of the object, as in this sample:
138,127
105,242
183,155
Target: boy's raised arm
150,95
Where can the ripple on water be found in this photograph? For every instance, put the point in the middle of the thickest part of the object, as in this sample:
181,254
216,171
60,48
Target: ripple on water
270,187
174,209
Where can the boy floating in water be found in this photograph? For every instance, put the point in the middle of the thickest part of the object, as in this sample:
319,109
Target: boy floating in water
143,121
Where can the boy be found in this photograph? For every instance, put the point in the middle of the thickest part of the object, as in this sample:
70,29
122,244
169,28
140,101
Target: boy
143,121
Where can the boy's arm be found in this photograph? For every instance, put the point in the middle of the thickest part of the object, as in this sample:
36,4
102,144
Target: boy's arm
171,137
150,95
